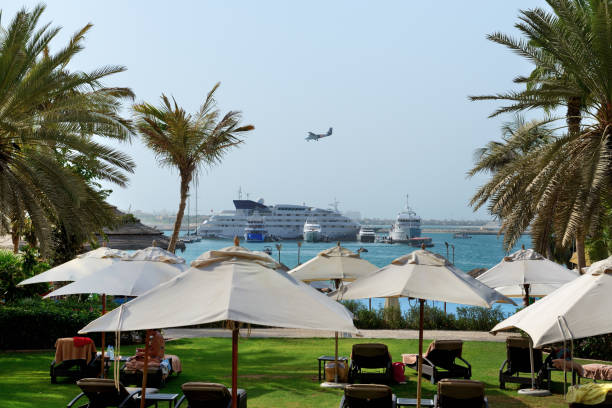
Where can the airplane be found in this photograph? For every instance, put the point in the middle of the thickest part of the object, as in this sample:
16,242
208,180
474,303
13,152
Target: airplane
316,137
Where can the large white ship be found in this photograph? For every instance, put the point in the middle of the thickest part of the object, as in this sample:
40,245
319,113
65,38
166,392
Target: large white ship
282,221
407,229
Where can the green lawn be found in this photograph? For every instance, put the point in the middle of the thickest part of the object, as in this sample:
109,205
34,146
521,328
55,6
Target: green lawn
275,373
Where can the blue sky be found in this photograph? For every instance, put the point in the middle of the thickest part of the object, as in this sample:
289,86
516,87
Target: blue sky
392,78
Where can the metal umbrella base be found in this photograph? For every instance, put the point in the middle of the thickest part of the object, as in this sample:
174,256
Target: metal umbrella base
328,384
534,392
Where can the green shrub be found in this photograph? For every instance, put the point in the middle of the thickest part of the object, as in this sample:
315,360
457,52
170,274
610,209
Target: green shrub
36,324
16,267
434,318
596,347
478,318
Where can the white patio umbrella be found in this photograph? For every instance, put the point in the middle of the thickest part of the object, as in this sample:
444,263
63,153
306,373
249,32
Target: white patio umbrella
232,284
81,266
338,264
526,273
423,275
132,275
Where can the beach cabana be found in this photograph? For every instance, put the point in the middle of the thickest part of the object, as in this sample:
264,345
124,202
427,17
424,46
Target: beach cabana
526,273
81,266
423,275
339,265
235,285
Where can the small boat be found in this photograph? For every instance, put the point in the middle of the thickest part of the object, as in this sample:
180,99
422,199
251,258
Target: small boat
462,235
366,234
312,232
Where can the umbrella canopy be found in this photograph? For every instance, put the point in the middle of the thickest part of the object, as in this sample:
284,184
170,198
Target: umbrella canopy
81,266
332,264
130,276
527,267
423,275
229,284
582,308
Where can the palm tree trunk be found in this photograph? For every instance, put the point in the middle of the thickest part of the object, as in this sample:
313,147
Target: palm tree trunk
573,124
15,239
580,250
181,211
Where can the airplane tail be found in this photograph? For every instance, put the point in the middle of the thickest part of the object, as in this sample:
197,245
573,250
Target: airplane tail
329,132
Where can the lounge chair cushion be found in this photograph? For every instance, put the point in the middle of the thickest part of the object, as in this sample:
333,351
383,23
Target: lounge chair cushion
517,342
461,389
368,391
370,355
65,349
200,391
434,349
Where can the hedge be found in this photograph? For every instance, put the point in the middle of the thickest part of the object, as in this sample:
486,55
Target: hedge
36,324
434,318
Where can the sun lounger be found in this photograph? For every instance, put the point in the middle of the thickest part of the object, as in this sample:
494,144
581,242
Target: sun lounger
210,395
101,393
75,358
370,356
159,368
517,362
368,396
439,361
460,394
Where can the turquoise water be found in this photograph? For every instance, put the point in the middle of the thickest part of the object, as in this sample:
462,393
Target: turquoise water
481,251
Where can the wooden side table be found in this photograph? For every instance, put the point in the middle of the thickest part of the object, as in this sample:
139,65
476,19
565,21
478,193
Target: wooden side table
411,402
157,397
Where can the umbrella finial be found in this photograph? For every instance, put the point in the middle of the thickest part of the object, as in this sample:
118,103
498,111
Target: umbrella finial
154,243
104,243
423,246
236,241
523,247
338,243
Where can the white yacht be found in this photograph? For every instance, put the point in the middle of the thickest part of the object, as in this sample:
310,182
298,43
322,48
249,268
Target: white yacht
312,231
280,221
407,228
366,234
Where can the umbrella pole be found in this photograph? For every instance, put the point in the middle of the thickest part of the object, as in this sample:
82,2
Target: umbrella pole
145,369
102,338
526,298
235,331
531,362
336,360
420,361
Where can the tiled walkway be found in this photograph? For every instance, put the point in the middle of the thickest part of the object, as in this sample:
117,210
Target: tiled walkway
365,334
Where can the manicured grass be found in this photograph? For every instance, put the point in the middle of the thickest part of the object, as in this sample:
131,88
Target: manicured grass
275,373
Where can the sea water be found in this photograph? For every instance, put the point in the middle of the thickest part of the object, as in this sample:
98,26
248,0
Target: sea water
480,251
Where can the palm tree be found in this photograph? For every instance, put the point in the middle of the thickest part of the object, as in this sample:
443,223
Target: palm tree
48,116
188,142
570,48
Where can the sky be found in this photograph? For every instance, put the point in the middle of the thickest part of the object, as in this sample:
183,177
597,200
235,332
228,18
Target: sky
392,78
